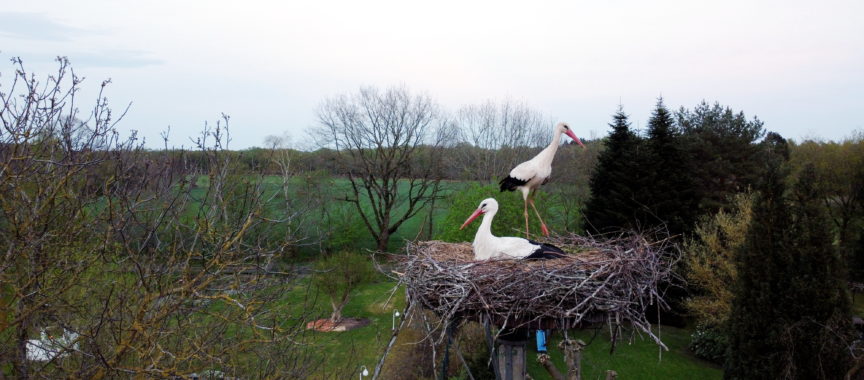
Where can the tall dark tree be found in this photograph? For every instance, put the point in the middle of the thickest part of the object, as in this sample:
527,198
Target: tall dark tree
724,151
791,311
855,259
668,196
761,289
820,309
616,182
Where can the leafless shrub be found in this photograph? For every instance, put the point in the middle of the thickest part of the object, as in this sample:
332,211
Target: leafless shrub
156,277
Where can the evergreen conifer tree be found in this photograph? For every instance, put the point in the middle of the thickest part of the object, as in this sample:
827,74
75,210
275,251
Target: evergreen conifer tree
615,184
724,154
667,193
755,333
819,315
791,312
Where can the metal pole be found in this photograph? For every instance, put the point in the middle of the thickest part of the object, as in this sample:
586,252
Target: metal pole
446,361
493,352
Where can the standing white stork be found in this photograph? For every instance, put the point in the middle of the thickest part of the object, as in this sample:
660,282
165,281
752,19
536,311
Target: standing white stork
488,246
529,175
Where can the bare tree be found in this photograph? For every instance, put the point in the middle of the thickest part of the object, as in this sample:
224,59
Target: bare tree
499,135
134,271
391,143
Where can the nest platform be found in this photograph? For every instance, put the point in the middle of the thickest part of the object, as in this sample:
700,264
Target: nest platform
609,280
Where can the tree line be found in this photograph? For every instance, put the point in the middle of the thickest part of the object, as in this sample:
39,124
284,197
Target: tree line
771,233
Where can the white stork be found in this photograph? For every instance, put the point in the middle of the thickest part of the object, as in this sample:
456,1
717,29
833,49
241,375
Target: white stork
529,175
488,246
47,347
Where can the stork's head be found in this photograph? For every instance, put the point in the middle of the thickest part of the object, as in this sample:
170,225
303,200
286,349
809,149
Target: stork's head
488,205
562,127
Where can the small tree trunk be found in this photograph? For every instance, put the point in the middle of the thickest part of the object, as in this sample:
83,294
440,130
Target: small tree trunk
383,240
573,357
20,363
546,361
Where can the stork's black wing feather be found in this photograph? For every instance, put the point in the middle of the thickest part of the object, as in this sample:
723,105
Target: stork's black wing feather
510,183
545,251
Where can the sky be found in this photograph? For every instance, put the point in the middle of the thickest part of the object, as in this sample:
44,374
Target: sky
796,65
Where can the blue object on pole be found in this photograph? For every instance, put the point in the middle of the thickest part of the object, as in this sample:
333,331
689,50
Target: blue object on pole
541,341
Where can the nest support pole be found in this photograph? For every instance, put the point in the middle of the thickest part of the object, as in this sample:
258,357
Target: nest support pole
492,348
445,361
511,353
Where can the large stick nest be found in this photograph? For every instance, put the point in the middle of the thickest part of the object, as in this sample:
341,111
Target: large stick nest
611,280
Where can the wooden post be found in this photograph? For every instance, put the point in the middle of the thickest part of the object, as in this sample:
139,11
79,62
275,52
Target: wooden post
511,360
511,354
573,356
546,361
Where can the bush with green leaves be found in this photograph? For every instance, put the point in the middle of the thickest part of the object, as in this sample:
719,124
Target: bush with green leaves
709,343
509,221
343,228
338,274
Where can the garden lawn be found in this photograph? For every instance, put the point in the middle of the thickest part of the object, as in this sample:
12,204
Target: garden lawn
640,359
346,351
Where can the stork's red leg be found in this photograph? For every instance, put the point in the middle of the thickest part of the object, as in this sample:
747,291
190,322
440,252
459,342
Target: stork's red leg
526,219
542,223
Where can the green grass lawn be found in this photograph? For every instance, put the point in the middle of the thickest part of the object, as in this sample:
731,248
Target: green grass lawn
346,351
336,188
639,359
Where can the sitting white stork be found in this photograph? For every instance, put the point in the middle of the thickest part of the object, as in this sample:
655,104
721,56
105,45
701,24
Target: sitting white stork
488,246
529,175
48,348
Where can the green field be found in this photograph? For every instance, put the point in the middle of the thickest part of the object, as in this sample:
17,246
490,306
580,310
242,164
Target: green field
349,228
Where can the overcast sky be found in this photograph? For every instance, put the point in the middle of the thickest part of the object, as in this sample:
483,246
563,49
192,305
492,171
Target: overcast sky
797,65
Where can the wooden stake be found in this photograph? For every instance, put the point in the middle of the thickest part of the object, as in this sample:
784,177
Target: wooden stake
573,357
546,362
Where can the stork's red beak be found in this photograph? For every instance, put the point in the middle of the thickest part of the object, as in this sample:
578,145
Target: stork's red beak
471,218
573,136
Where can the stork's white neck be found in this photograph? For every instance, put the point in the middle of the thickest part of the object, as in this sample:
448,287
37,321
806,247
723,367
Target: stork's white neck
548,154
556,140
486,225
484,238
